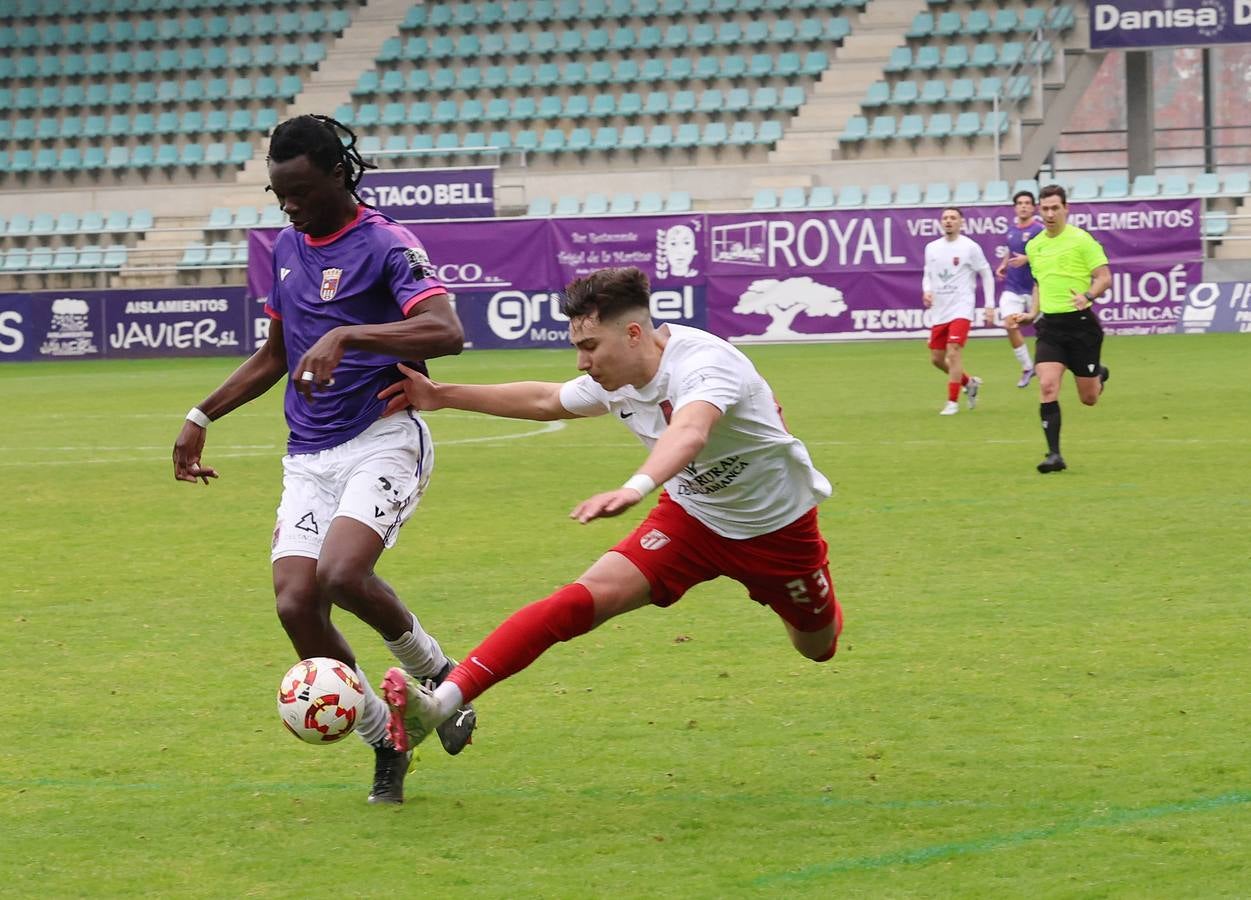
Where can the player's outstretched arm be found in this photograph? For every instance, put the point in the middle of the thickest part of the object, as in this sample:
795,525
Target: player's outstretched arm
259,372
535,400
679,444
432,329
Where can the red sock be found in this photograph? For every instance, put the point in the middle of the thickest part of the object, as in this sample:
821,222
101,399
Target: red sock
523,637
964,379
953,391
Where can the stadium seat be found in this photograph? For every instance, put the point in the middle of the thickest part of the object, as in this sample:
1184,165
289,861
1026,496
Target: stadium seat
1215,224
1206,184
878,195
595,204
937,193
622,204
678,201
792,198
967,192
908,194
764,198
1115,187
1145,186
1237,183
1083,188
850,197
652,201
911,127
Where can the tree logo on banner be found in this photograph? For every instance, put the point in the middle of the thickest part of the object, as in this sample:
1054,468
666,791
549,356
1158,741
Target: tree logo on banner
783,300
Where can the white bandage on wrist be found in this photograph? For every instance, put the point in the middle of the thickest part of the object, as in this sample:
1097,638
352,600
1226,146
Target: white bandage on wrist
198,417
641,483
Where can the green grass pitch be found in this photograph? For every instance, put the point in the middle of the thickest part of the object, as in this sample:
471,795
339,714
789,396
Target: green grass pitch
1044,686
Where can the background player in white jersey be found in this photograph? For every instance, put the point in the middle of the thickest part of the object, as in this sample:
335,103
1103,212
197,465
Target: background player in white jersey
1018,280
952,263
353,294
740,491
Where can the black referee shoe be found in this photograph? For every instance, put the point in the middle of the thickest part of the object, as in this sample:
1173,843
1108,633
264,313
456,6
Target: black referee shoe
1053,463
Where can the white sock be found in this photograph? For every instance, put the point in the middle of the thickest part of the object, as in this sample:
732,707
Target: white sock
449,698
372,724
418,652
1022,356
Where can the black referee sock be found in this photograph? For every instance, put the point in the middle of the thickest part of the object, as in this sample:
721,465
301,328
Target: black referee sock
1050,413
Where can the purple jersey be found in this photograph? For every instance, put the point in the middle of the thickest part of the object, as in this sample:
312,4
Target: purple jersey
371,272
1020,280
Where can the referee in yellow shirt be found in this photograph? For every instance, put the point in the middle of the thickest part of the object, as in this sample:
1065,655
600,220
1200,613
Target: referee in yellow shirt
1070,271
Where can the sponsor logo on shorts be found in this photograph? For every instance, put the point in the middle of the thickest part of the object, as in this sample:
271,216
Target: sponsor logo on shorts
330,283
653,540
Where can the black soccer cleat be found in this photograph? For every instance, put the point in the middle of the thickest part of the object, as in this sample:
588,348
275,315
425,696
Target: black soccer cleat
390,767
1053,463
456,731
1104,374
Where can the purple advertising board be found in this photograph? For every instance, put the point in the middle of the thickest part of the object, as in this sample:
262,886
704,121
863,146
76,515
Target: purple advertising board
834,275
409,195
1217,306
817,276
123,324
1121,24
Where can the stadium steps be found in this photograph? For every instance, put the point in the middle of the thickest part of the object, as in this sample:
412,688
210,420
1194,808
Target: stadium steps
331,84
812,136
1234,243
1068,76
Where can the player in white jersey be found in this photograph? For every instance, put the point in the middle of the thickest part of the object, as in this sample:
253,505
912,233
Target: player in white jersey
952,265
739,500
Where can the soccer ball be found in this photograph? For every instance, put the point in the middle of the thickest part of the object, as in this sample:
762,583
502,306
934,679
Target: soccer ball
319,700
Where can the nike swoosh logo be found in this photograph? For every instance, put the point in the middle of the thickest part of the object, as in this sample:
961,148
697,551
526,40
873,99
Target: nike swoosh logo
624,414
480,664
821,608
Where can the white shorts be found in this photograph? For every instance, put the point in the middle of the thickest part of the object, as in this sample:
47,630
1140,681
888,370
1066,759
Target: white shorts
377,478
1011,303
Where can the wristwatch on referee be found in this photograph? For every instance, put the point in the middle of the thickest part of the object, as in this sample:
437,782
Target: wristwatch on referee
1089,298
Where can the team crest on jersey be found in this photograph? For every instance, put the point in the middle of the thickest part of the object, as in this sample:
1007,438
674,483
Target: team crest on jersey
330,283
955,260
419,262
653,540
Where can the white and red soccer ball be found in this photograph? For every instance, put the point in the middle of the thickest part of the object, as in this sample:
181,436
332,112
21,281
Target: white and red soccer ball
319,700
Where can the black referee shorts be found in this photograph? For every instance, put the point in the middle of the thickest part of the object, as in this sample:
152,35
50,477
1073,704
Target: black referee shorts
1073,339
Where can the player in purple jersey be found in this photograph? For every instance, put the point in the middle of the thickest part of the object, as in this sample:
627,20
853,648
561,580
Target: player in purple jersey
1018,281
354,293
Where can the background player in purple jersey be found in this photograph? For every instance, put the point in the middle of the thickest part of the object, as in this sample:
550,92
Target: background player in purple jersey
1018,281
354,293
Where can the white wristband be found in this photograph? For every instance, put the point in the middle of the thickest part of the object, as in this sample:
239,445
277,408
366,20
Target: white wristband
641,483
198,417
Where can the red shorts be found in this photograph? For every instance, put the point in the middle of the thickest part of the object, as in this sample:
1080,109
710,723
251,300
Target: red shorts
954,332
787,570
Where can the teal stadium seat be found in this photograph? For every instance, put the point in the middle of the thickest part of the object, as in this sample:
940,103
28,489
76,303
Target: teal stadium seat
764,199
937,193
878,195
821,197
1237,183
1215,224
908,194
850,197
1206,184
911,127
1115,187
1145,186
651,201
966,192
855,131
792,198
996,192
622,204
595,204
1083,188
678,202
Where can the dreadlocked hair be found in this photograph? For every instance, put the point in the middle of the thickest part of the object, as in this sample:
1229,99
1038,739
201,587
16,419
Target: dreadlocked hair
317,137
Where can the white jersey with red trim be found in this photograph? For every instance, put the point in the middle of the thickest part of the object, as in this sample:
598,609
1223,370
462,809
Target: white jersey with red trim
753,476
952,268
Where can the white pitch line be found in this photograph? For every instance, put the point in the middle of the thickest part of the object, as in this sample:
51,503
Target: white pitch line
244,450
